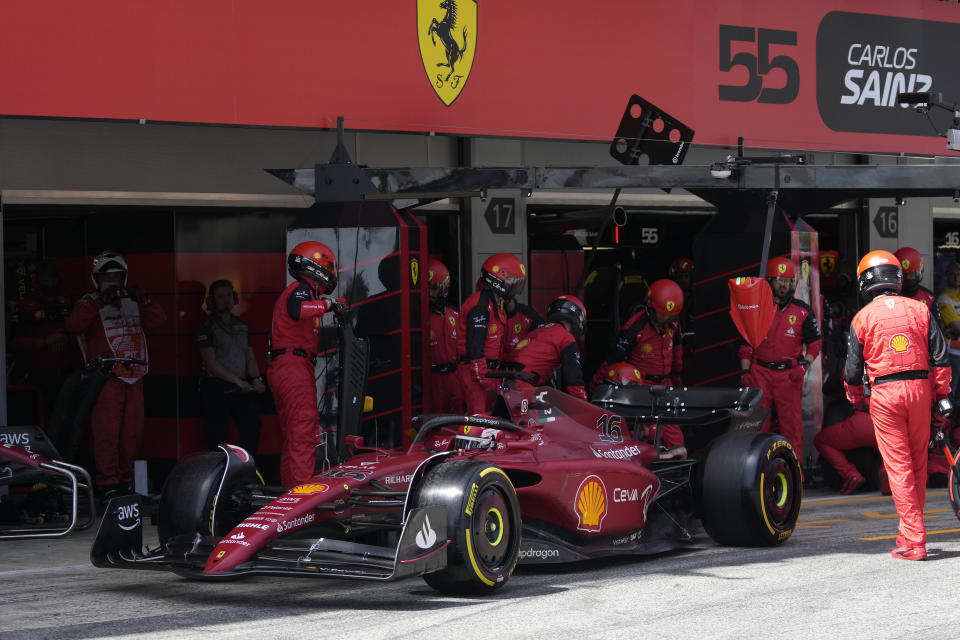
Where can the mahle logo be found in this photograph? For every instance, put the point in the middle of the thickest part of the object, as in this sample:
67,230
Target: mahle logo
447,32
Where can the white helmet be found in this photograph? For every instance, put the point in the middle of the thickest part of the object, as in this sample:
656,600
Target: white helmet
108,262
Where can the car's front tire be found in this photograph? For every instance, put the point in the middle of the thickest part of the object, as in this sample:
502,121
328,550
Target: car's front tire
483,524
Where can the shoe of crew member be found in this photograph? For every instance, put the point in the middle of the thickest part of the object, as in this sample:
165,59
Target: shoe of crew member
851,483
909,553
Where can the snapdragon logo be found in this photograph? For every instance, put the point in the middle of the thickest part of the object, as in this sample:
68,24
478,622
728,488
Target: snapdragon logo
538,554
864,61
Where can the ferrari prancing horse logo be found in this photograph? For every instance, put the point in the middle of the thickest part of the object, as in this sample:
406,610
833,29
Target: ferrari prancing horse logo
447,33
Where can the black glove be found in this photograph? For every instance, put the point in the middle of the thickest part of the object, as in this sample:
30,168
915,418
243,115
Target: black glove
111,296
132,293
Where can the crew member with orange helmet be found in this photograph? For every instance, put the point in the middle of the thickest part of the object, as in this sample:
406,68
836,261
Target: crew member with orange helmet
554,346
481,328
444,389
650,341
894,345
294,339
778,364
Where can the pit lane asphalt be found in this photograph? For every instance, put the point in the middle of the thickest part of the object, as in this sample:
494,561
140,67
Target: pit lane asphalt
834,577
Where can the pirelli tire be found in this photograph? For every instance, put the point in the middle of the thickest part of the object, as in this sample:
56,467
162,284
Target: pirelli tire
483,524
751,490
186,501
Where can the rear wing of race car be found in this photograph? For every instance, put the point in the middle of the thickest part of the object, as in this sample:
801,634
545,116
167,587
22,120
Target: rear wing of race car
421,549
703,412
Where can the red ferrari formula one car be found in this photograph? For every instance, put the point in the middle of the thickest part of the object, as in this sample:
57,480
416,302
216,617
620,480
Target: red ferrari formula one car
546,478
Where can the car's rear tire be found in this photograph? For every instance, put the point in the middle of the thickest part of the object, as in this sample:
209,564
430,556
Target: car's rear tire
483,525
751,490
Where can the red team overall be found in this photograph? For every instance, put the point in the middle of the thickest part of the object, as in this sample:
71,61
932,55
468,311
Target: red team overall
444,388
481,329
554,346
650,341
110,324
294,336
791,344
896,342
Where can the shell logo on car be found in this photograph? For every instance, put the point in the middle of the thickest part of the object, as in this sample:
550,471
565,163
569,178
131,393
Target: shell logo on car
307,489
591,504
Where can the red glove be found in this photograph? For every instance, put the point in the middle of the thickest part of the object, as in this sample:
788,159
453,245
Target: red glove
941,422
796,373
747,379
856,397
578,392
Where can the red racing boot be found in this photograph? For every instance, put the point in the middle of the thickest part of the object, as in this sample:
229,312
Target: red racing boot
909,553
851,483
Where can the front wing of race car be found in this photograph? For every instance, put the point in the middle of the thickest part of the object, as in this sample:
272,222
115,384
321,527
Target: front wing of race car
420,550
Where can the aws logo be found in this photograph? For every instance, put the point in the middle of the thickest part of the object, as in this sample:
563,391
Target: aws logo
447,33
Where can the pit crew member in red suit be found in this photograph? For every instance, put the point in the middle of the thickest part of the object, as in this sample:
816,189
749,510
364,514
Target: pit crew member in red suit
853,432
681,272
554,346
294,335
778,364
650,341
481,329
894,345
110,324
521,320
445,391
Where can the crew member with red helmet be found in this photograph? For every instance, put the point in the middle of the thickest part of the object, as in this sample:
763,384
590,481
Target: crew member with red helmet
912,264
444,388
481,328
681,272
294,336
894,345
649,340
554,346
110,324
778,364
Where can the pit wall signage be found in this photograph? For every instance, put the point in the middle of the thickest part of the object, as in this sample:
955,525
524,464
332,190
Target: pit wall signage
782,75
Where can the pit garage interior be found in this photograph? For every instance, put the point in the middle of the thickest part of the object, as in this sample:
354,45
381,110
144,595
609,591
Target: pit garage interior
191,203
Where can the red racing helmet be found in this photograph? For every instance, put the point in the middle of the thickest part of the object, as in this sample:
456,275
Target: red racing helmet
569,308
623,373
504,274
781,268
910,260
438,279
877,272
666,297
314,260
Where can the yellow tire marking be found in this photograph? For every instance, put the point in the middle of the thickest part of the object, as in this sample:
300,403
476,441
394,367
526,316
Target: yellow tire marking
763,507
497,470
473,561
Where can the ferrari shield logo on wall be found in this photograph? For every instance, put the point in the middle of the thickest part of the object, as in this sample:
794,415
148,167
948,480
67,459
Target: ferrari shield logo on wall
415,271
447,32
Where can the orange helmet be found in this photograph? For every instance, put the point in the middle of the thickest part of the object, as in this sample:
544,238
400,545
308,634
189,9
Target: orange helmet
315,261
504,274
680,265
877,272
623,373
569,308
781,268
665,296
910,260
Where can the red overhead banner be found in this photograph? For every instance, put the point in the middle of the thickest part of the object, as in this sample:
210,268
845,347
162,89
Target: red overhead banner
782,75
